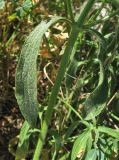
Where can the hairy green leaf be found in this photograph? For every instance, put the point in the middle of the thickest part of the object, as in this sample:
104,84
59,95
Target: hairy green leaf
26,82
96,102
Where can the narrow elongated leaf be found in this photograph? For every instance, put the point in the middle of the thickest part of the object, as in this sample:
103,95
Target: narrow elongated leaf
26,82
96,102
112,132
80,144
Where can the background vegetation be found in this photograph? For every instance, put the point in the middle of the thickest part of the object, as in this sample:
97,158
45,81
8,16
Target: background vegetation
84,121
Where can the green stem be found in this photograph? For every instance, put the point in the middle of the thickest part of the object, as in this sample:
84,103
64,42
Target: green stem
69,106
69,9
102,20
53,97
64,62
65,7
84,12
114,116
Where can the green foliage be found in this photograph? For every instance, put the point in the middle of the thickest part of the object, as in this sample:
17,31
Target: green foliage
80,145
83,120
26,83
25,8
23,146
96,102
92,154
109,131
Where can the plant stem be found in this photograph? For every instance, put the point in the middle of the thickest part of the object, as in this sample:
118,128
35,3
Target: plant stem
69,9
84,12
60,75
69,106
103,19
53,97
